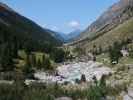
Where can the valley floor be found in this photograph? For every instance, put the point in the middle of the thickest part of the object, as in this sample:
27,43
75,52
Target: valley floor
119,78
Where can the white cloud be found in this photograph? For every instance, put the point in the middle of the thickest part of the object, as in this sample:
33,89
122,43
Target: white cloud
74,24
54,28
44,25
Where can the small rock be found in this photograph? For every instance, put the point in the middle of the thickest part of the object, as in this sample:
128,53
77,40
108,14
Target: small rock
110,98
127,97
63,98
130,92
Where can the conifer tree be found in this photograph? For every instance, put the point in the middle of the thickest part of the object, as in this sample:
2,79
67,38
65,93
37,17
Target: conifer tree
28,66
6,58
39,64
33,61
114,52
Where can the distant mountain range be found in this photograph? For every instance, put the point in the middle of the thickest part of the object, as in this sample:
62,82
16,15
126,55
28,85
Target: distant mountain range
74,34
68,37
115,24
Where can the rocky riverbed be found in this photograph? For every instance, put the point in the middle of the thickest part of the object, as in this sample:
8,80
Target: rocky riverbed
73,71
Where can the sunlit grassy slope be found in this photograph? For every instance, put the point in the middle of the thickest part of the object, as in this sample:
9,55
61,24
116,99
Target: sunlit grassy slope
120,33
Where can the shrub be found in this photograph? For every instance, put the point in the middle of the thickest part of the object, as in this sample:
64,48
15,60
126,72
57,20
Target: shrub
83,78
114,52
58,55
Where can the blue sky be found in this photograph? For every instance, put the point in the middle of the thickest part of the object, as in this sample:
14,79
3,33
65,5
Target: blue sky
61,15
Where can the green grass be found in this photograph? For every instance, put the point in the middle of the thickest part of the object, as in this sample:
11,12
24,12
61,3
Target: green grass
38,91
39,55
104,58
47,92
22,54
120,33
20,63
126,60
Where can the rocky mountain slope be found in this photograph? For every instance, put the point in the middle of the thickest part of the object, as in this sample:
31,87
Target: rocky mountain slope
112,25
115,15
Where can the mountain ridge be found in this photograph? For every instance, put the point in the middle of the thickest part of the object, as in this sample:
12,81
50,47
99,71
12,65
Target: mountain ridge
112,17
102,32
22,25
72,36
67,37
